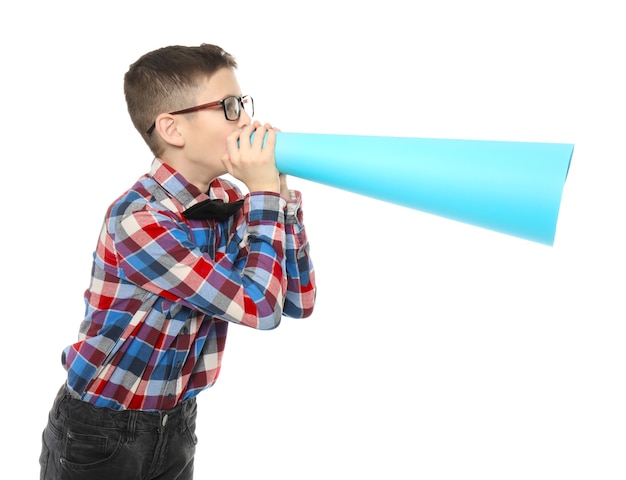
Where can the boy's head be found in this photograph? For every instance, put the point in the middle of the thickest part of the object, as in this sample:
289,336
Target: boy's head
169,79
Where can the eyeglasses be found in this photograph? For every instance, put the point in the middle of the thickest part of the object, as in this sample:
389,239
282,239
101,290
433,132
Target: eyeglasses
232,108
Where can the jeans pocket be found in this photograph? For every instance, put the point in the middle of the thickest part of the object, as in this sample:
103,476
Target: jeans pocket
82,448
88,447
190,431
189,424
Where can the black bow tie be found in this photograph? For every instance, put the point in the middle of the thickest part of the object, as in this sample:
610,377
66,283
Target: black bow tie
213,209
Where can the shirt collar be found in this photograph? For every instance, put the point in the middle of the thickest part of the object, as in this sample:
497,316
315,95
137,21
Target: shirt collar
186,193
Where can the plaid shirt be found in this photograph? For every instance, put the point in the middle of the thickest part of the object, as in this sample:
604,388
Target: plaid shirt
164,289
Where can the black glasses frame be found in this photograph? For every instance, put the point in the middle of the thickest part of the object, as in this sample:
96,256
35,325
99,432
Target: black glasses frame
241,102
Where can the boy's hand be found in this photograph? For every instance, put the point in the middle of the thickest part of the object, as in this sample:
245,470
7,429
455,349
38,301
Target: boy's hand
251,162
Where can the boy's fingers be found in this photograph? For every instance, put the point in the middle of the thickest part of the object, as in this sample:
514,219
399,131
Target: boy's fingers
270,141
259,135
232,143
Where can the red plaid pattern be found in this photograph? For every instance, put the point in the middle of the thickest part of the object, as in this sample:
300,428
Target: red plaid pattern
164,289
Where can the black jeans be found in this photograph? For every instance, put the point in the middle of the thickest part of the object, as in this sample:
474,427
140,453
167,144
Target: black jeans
81,441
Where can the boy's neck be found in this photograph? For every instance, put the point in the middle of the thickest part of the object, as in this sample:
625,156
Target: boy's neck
198,175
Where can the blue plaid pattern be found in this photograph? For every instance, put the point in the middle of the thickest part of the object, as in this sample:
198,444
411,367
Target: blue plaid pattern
164,289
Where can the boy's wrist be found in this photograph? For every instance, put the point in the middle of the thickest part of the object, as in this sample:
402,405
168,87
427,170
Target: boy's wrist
267,186
260,190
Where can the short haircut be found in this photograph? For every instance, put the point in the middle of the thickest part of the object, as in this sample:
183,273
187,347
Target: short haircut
169,79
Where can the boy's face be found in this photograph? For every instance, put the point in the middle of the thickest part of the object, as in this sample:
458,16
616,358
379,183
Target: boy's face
205,131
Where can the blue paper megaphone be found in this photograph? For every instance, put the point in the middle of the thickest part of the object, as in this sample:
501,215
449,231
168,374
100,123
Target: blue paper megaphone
510,187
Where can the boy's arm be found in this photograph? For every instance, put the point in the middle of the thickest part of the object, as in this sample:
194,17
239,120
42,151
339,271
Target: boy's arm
155,252
301,287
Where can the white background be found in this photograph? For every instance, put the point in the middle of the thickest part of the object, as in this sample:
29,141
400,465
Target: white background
438,350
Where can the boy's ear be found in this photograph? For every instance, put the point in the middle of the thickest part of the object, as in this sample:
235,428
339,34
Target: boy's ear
167,127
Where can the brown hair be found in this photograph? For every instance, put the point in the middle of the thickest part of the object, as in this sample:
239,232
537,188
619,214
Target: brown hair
168,79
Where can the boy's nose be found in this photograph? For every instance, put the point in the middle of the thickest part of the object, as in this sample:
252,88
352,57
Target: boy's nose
244,119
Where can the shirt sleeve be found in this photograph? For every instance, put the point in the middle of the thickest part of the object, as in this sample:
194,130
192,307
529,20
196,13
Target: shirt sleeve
301,287
155,252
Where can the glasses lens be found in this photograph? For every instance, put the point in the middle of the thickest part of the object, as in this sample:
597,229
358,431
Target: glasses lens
248,105
232,108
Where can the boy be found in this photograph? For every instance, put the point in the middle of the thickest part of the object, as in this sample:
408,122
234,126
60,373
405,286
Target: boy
181,254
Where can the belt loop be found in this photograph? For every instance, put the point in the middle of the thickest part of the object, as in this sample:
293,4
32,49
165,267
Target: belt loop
188,409
185,409
132,425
